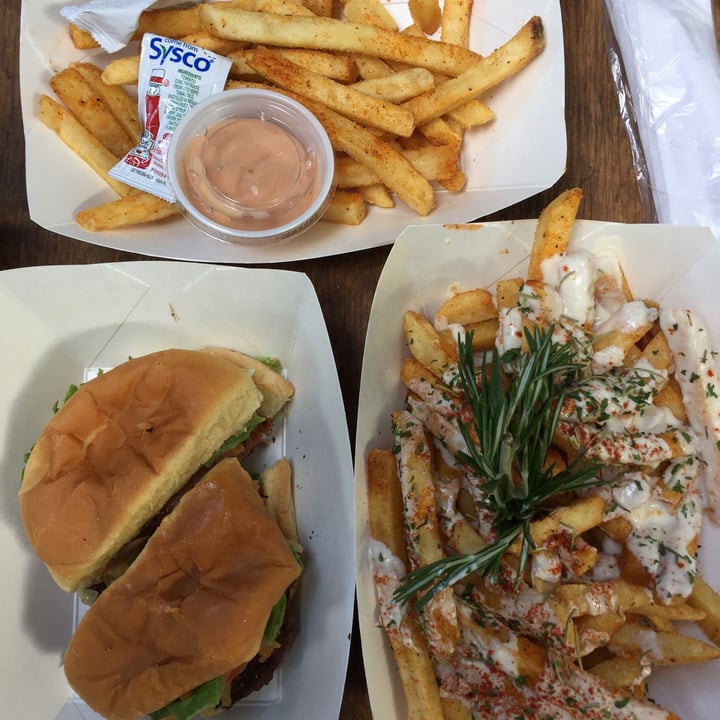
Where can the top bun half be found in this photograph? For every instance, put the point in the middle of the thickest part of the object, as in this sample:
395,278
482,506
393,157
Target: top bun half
120,447
192,607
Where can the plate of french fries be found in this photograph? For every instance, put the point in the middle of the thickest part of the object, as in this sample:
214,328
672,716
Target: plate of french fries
438,112
536,472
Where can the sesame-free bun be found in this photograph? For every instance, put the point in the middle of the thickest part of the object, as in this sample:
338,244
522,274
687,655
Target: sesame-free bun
192,607
119,448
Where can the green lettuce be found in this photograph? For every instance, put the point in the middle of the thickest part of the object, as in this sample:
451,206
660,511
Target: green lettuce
203,696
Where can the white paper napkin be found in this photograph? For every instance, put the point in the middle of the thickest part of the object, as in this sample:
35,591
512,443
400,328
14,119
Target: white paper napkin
111,22
672,73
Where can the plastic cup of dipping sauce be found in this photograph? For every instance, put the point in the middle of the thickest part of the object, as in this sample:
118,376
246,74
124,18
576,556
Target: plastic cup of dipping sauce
251,166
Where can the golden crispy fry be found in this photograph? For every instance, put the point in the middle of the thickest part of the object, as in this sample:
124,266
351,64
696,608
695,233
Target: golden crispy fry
399,86
620,672
323,8
706,599
117,99
91,111
337,67
574,519
423,538
505,62
507,292
426,345
122,71
369,12
330,34
85,145
346,208
455,22
426,14
385,508
353,104
132,209
276,484
660,648
465,308
552,233
377,194
82,39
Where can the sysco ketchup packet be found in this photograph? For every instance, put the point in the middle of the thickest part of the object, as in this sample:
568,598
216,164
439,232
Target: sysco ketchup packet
174,76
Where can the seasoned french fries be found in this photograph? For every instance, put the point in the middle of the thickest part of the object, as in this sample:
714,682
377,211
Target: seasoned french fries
560,535
396,101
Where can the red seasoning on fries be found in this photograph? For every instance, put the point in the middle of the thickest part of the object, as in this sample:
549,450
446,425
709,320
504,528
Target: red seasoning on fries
539,525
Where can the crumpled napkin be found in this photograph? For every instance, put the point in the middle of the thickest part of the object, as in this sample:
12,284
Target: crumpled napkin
667,70
111,22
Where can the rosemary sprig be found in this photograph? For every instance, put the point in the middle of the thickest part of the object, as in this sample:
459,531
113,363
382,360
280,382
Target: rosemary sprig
514,418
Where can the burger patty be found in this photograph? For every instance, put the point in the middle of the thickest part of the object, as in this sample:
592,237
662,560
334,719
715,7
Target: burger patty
257,674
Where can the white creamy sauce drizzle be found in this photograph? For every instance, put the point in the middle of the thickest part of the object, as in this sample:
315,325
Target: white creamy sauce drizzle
583,293
388,570
696,372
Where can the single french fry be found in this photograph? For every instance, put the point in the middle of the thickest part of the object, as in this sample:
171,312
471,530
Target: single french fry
507,292
122,71
276,484
81,39
323,8
705,598
369,12
455,22
342,68
425,344
281,7
399,86
385,502
423,538
465,308
116,98
472,114
662,648
322,33
172,22
484,334
132,209
620,672
377,194
426,14
350,103
89,108
439,132
346,208
85,145
581,516
552,232
385,516
503,63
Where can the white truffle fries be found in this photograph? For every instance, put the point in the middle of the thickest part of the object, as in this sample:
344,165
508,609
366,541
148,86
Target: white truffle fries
535,527
135,495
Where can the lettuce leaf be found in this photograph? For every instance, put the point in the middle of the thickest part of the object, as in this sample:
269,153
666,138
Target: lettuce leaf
203,696
235,439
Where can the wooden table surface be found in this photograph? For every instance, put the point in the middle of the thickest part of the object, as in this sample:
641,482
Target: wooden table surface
599,161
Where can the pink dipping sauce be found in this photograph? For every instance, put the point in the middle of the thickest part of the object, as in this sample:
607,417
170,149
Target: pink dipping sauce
249,173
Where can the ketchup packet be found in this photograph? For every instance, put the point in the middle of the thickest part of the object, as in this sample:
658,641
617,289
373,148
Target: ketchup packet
174,76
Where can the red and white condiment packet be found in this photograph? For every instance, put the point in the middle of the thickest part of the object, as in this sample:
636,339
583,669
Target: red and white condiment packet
174,76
